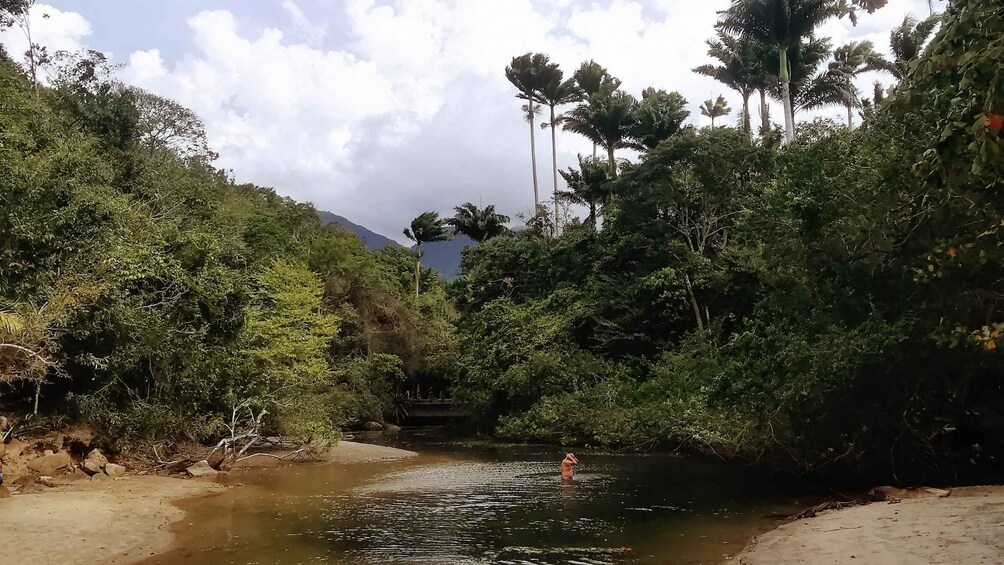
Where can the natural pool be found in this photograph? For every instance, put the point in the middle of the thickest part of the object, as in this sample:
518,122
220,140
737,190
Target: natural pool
477,502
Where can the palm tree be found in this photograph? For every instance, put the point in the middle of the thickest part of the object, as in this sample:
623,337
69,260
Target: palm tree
479,224
591,79
906,42
823,88
741,68
782,24
810,87
658,115
556,92
426,228
605,119
715,109
589,186
525,73
849,61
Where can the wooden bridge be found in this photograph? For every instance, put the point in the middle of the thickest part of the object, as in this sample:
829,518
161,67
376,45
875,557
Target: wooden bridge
432,407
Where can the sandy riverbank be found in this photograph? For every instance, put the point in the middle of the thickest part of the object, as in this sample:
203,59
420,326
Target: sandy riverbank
119,521
962,529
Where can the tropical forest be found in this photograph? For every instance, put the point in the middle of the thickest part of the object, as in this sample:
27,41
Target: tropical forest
777,294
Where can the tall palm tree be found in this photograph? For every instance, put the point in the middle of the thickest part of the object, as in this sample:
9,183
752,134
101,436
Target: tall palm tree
526,74
823,88
715,108
907,41
783,24
741,68
556,91
658,115
589,186
428,227
810,87
479,224
605,119
849,61
591,78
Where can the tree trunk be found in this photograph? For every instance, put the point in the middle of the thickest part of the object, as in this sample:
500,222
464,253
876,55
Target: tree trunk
850,117
693,303
554,171
594,151
764,113
613,162
789,117
533,161
747,126
38,392
418,266
592,214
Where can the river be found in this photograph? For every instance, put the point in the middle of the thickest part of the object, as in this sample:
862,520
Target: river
480,502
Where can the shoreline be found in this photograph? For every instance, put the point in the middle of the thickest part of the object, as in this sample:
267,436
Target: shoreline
129,519
965,527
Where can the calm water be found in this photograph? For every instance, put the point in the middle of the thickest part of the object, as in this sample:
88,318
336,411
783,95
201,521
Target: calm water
463,502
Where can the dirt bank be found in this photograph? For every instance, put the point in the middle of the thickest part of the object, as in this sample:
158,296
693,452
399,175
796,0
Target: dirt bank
122,520
964,528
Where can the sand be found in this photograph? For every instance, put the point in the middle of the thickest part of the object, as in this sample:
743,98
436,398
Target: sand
120,521
964,528
123,520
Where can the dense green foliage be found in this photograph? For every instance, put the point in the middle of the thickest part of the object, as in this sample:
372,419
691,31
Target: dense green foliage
833,304
160,294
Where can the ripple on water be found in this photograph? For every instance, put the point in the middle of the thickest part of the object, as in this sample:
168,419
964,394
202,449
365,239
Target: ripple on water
439,514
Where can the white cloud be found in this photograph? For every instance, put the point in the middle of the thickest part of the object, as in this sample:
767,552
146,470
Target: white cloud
312,33
412,111
50,27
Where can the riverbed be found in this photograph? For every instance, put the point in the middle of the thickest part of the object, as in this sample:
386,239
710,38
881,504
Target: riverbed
462,501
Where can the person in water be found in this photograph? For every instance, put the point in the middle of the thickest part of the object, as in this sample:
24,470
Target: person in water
568,466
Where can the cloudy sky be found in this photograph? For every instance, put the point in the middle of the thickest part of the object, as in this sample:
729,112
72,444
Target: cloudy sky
378,110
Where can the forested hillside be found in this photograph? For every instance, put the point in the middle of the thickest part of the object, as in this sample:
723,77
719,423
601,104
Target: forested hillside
827,297
146,293
834,304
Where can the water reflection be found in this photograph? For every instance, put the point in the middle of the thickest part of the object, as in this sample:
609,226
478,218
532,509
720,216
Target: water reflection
484,504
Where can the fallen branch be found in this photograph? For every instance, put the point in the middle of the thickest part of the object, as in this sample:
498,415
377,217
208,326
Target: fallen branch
812,511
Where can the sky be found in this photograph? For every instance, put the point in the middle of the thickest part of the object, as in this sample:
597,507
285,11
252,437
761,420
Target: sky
380,110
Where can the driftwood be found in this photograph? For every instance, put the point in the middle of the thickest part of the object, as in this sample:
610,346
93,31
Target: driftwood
878,494
894,494
831,505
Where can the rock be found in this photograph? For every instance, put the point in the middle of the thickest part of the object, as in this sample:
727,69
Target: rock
95,462
15,448
4,492
30,489
100,477
391,428
372,426
113,470
201,469
50,463
45,481
25,480
215,459
73,476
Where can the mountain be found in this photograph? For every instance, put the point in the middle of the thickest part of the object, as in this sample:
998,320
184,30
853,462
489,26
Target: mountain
372,239
444,256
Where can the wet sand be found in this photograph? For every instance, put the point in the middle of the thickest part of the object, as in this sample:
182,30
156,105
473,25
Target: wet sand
964,528
121,521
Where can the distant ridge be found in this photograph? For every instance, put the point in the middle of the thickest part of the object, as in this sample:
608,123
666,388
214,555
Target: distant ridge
444,256
372,239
